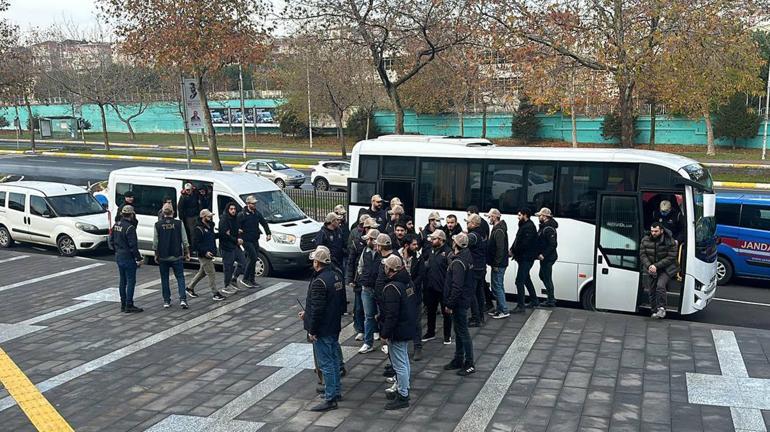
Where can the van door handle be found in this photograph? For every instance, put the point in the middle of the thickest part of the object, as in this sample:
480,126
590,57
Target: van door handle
599,259
605,271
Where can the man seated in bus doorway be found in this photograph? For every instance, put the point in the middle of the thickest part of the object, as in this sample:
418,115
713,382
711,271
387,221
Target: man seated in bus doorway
376,212
658,259
524,251
477,244
451,228
188,208
671,219
547,243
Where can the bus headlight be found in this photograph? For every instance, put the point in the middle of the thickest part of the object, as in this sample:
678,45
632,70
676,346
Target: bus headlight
86,227
284,238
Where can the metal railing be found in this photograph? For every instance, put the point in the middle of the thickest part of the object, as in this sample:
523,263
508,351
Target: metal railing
316,204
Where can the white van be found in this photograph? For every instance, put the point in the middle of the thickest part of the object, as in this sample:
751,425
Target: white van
53,214
293,232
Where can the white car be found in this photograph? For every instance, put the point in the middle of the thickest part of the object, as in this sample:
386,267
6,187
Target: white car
330,174
52,214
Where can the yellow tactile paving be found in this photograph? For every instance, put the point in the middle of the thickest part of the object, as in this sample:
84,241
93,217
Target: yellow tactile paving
39,411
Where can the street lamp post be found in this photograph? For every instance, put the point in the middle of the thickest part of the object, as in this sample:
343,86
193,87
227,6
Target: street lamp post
309,114
767,112
243,110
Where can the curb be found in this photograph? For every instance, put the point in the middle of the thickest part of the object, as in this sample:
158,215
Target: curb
150,159
739,185
735,165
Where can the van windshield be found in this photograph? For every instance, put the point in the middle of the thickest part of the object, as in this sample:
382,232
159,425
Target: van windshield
276,207
75,205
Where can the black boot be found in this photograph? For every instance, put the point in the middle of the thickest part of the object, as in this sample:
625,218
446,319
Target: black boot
133,309
122,307
398,403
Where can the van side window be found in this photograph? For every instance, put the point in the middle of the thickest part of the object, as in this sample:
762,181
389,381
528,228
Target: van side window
755,217
728,214
16,201
38,206
148,200
2,199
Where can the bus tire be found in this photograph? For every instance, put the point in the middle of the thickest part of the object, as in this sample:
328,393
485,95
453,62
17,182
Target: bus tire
724,270
588,298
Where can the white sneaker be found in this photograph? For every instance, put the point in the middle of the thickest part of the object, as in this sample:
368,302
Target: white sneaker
365,349
360,337
448,341
391,380
376,336
393,388
661,313
228,291
384,349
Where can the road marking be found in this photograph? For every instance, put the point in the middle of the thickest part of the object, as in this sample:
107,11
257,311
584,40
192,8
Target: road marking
91,163
743,302
734,388
291,359
16,258
139,345
50,276
37,409
483,407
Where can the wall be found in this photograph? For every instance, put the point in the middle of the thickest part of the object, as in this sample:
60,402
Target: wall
557,127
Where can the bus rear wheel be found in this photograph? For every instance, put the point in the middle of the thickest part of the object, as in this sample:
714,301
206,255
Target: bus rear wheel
588,298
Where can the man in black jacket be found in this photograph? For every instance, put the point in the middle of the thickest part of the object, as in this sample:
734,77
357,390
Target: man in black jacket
249,221
230,242
188,208
473,210
399,316
331,237
170,245
384,250
366,274
204,199
497,257
458,294
435,269
128,200
434,221
321,319
124,242
376,212
204,243
477,244
658,255
524,251
451,228
547,243
352,277
340,210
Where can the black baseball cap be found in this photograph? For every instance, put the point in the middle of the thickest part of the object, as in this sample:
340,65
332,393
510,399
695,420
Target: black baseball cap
128,194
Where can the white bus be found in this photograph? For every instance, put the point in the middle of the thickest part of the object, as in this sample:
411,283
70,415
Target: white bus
603,200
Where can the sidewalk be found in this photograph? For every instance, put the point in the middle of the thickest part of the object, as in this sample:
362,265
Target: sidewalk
243,364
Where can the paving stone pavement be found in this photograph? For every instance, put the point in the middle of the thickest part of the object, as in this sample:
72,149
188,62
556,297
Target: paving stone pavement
584,372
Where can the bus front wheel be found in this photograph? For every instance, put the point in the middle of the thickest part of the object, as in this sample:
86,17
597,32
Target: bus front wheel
588,298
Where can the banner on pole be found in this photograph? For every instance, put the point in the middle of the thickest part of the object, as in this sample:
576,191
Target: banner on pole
193,105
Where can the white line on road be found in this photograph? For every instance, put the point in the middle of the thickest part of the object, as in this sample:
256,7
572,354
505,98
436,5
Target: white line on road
743,302
50,276
139,345
480,413
91,163
16,258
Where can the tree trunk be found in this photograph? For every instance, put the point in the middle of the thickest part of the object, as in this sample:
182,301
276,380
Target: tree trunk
573,120
343,150
710,149
653,114
31,124
626,115
398,109
105,134
483,120
216,164
462,123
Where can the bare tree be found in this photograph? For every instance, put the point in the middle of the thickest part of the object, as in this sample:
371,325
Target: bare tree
140,86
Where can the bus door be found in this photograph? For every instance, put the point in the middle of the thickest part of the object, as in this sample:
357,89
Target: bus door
616,264
403,189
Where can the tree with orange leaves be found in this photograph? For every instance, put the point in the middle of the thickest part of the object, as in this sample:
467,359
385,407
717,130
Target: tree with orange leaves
193,37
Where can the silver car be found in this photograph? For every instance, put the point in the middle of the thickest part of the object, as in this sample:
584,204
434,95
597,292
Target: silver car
277,172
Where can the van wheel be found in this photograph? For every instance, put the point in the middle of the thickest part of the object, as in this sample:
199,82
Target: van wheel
262,266
6,240
321,184
724,270
66,246
588,298
280,183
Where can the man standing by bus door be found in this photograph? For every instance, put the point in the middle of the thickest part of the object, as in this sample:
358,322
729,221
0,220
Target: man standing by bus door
188,208
547,243
524,251
658,254
376,212
249,220
477,244
123,240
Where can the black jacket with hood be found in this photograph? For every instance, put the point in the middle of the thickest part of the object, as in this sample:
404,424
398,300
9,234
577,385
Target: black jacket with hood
547,240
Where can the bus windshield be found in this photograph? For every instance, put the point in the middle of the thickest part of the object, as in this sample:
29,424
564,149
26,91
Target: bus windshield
276,207
705,231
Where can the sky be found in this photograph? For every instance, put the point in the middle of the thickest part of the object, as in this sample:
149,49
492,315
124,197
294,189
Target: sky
43,13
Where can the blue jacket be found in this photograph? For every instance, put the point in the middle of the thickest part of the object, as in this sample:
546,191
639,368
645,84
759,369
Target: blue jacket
334,240
204,240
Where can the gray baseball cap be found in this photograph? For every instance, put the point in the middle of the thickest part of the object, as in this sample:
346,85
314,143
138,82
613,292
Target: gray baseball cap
321,254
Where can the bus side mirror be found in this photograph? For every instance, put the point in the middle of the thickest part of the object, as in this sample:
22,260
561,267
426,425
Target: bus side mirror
709,204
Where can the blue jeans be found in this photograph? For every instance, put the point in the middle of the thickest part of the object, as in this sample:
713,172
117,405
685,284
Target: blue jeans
358,313
463,345
498,288
370,310
399,358
178,268
327,350
127,271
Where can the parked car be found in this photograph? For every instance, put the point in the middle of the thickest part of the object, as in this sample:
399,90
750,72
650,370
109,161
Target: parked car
743,228
52,214
216,117
265,117
273,170
330,174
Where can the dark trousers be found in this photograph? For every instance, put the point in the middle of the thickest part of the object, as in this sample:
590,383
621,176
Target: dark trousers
463,344
251,249
479,300
546,275
189,225
127,283
417,340
656,288
229,258
178,268
434,299
523,280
